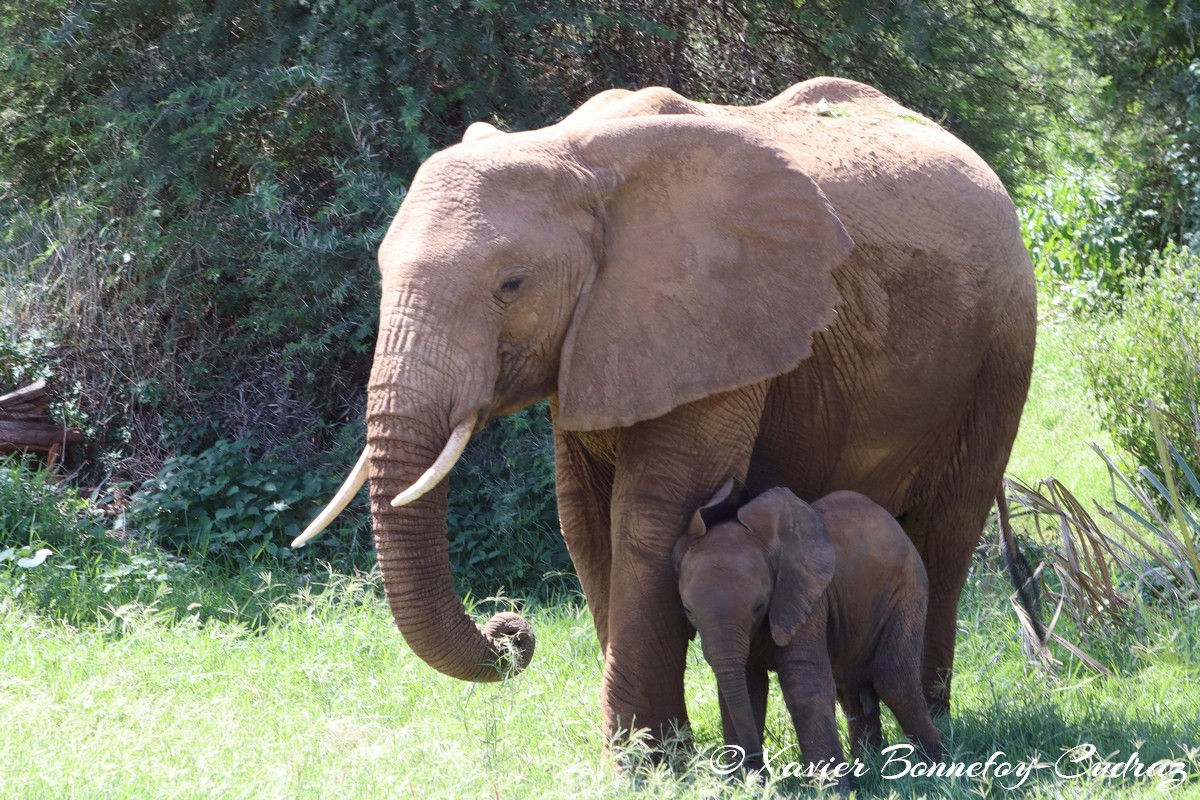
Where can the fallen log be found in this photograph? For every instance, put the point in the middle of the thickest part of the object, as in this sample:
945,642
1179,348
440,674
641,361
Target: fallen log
35,435
26,428
31,399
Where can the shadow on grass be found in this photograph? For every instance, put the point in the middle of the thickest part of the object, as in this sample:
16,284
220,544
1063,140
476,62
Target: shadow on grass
1035,749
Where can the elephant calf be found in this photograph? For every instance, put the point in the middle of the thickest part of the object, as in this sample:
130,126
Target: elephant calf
843,593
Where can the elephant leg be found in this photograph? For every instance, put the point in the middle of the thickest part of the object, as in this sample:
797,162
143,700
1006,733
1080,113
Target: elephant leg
947,524
758,684
666,468
950,545
584,489
908,704
806,677
901,691
897,677
862,718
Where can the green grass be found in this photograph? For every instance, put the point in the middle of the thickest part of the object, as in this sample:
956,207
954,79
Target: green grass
1059,423
324,700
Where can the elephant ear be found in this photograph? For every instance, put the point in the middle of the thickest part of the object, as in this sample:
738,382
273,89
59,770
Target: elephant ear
715,271
806,557
722,506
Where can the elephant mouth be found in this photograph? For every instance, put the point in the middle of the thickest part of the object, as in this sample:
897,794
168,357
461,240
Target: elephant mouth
437,472
442,465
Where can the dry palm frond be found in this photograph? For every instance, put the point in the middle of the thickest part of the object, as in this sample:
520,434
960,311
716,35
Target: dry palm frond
1145,554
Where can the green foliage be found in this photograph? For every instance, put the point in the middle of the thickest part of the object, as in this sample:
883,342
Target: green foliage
1143,560
1147,352
221,175
226,174
194,192
56,556
34,509
1183,157
1144,105
25,357
966,65
231,506
1059,420
503,518
79,584
29,355
1080,236
1167,498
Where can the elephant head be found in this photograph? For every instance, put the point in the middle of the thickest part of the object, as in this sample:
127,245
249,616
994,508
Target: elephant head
600,263
768,561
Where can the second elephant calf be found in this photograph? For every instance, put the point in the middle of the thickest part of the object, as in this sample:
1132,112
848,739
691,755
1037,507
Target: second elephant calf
832,596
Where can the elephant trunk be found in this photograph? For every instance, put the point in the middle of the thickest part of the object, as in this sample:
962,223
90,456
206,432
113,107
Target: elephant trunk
406,431
731,680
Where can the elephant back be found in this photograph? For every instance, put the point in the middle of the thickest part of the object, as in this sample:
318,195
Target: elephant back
622,104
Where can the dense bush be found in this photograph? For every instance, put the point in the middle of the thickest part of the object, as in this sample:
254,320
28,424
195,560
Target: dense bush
234,506
1143,108
63,559
967,65
36,510
1126,181
197,189
1149,351
25,357
221,175
56,555
1078,230
503,519
194,192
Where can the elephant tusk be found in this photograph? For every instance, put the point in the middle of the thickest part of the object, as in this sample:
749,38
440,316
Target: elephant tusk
350,487
442,466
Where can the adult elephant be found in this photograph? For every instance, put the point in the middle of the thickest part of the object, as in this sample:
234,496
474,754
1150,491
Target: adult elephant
825,291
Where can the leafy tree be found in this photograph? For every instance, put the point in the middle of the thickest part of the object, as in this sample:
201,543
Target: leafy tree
227,170
1146,107
967,65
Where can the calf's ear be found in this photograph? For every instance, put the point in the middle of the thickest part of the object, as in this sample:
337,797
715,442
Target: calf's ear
805,557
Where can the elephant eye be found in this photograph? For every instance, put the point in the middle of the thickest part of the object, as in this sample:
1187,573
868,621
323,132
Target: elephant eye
510,287
758,609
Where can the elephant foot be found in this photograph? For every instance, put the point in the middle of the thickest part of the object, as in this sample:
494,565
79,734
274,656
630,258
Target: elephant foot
671,743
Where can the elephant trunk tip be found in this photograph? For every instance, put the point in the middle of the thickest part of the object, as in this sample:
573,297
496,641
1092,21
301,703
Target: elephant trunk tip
513,638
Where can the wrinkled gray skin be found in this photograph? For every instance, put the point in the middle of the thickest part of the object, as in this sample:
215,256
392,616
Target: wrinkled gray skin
831,596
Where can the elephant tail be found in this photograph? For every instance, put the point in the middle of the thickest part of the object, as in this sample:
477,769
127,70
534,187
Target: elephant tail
1028,593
